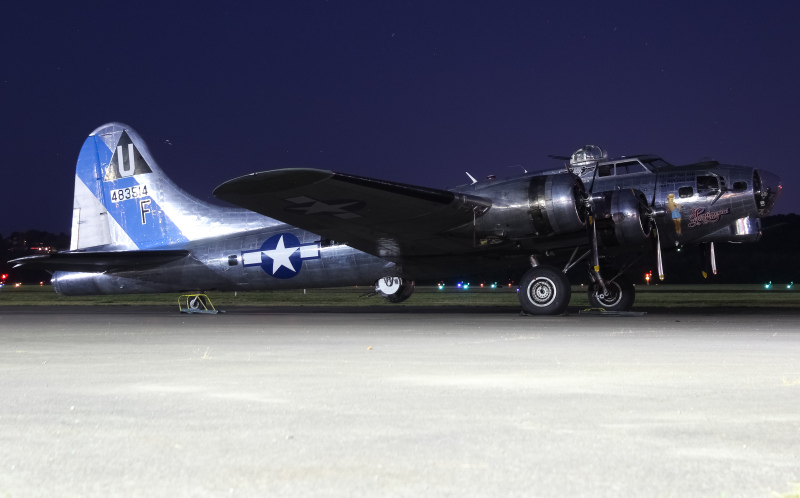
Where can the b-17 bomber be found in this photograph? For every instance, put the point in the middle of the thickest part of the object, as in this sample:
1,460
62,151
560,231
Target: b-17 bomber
135,231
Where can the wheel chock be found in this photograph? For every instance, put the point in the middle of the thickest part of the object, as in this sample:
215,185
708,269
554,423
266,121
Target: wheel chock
197,303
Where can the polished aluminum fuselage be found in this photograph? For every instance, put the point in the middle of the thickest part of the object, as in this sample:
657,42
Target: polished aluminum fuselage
224,242
210,267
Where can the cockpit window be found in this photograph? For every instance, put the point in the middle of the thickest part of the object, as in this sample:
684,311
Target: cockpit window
707,185
658,164
605,170
630,167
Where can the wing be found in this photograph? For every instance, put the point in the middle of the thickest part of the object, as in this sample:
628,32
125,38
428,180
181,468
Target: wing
99,261
382,218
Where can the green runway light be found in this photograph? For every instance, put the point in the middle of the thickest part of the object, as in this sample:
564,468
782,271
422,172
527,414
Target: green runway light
768,285
789,285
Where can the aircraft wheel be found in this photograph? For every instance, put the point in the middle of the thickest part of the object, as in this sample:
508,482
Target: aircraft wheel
544,290
620,297
394,289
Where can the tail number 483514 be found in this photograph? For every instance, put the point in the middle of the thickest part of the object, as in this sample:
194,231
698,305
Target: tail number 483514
122,194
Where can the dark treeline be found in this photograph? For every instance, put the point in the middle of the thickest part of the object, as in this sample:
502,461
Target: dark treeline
28,243
773,258
23,242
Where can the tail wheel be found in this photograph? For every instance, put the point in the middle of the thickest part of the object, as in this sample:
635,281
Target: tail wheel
620,296
394,289
544,291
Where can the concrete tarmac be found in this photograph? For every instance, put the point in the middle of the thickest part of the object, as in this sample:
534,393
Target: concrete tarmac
134,401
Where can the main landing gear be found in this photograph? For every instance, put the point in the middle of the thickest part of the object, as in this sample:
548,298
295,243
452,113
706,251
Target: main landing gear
545,290
619,296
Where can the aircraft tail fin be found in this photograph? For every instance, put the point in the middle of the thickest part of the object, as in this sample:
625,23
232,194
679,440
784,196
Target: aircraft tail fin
123,201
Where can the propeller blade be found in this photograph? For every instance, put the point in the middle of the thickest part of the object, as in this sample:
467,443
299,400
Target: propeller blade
659,261
594,175
709,260
655,186
713,260
643,203
595,253
704,259
704,269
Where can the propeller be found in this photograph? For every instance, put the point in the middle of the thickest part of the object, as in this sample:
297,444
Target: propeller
659,260
709,260
591,226
593,236
650,211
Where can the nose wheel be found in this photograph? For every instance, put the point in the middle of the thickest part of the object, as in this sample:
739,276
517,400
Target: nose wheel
544,290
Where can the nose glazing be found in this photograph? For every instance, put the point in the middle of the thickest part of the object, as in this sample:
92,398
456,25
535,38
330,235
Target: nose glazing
766,188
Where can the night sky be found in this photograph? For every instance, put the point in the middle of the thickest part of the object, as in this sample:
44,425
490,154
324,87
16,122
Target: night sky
414,92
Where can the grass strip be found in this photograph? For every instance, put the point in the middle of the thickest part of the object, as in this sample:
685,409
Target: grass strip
646,296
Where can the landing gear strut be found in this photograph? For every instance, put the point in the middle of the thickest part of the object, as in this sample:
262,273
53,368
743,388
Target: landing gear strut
544,290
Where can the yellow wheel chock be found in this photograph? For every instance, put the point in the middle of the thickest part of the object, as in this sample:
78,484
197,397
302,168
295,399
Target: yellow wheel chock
196,303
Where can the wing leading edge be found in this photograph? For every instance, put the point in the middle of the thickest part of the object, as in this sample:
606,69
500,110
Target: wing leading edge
379,217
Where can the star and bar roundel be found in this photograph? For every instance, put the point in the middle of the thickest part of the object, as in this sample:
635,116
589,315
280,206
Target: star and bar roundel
281,255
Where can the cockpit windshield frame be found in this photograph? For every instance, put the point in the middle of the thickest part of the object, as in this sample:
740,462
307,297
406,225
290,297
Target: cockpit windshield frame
642,164
656,164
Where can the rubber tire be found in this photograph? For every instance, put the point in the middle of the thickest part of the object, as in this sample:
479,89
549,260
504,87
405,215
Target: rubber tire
623,293
405,291
544,290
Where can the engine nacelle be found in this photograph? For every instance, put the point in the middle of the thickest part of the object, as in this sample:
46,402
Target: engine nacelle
621,218
532,207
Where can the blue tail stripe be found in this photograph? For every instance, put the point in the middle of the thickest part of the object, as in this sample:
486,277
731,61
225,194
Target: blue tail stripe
88,168
157,229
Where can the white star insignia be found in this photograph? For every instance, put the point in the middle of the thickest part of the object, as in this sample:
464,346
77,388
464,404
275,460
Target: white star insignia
280,256
321,207
340,209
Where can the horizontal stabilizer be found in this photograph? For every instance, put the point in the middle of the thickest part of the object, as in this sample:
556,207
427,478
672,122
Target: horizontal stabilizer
375,216
99,261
